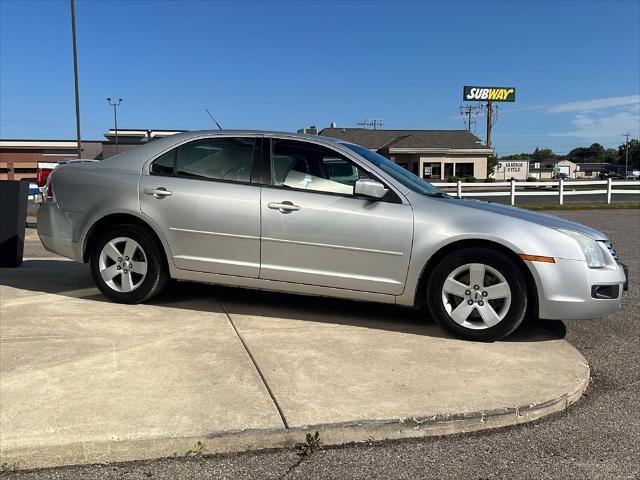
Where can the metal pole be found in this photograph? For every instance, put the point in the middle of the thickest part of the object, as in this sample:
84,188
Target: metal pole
75,74
115,122
115,106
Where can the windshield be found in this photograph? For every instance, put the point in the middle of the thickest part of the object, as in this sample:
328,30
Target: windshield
405,177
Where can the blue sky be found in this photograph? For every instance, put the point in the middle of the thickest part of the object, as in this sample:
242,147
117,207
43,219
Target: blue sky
287,65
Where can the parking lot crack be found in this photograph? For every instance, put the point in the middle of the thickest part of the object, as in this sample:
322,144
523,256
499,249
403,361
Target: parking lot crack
256,366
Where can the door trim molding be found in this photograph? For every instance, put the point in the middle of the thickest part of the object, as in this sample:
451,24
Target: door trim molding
338,247
217,234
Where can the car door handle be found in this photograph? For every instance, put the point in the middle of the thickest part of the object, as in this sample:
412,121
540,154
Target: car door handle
158,192
283,207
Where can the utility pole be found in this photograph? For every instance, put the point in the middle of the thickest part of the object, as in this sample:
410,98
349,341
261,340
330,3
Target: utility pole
626,155
75,75
375,123
468,111
115,106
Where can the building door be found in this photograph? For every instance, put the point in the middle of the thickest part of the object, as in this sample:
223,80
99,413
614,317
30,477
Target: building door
448,170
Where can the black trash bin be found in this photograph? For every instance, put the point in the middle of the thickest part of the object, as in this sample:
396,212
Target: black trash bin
13,219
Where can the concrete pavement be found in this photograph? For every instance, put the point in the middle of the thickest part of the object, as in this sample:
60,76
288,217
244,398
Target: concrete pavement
83,380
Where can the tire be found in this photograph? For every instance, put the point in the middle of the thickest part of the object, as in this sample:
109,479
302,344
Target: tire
128,264
466,294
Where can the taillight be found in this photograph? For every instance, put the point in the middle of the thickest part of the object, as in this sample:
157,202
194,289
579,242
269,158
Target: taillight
42,175
49,190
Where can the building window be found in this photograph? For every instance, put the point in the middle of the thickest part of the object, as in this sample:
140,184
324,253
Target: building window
431,170
464,170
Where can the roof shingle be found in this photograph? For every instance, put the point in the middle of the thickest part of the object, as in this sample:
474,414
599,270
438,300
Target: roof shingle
377,139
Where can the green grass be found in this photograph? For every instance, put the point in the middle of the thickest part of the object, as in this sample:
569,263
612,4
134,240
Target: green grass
579,206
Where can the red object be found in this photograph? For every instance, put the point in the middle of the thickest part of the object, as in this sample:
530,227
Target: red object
49,190
42,175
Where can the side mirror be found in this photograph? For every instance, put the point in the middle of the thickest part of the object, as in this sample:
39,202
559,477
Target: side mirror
369,188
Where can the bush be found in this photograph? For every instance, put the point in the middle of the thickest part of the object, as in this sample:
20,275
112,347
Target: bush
452,179
490,180
470,179
532,179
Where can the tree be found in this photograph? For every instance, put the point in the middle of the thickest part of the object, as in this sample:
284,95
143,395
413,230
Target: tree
595,153
517,156
492,163
634,153
543,155
611,156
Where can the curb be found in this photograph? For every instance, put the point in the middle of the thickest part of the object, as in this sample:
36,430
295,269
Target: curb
145,448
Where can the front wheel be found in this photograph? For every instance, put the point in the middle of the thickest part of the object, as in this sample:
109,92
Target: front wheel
477,294
127,265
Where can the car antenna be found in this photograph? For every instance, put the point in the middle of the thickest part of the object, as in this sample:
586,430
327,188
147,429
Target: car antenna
214,120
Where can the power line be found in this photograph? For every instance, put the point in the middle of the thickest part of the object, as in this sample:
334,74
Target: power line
468,111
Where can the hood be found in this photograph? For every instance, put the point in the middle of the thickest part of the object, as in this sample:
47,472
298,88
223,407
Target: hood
543,219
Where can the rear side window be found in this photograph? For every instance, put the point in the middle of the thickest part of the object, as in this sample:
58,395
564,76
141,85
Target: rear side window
228,159
163,165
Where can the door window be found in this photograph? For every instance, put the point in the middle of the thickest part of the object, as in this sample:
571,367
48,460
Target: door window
305,166
163,165
224,158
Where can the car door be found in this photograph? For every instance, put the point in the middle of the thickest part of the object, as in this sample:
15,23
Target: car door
201,196
316,232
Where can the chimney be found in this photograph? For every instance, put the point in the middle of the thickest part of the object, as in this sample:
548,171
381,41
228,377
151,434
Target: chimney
334,125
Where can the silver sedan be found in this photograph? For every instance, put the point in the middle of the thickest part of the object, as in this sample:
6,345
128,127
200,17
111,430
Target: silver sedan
317,216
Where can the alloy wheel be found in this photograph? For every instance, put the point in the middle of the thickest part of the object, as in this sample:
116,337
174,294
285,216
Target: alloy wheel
122,264
476,296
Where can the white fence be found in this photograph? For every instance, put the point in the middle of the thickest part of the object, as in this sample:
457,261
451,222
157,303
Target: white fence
559,188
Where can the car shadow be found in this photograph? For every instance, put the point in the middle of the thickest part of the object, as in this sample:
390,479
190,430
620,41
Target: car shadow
74,280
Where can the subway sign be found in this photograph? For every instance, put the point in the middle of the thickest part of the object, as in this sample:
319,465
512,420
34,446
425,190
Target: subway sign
489,94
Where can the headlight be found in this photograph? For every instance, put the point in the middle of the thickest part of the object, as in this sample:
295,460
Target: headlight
590,248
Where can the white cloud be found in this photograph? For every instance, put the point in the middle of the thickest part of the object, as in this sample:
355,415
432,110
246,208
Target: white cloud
596,104
605,124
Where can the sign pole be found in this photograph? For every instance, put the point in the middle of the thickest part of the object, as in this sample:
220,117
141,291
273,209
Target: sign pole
489,121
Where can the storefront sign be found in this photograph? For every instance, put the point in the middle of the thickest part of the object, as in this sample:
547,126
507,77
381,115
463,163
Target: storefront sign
517,169
492,94
427,170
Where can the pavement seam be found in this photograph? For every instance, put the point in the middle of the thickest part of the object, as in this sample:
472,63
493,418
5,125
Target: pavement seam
257,367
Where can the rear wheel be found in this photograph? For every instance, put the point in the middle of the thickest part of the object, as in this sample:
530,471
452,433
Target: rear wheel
127,264
478,294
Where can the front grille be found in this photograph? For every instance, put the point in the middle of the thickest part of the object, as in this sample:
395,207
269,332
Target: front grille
611,249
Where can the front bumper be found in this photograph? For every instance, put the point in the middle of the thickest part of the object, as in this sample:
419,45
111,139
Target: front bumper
565,289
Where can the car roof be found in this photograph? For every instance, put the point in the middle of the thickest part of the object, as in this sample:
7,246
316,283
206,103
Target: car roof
131,159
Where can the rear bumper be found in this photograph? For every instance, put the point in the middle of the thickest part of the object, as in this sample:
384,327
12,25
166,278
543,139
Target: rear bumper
55,230
565,289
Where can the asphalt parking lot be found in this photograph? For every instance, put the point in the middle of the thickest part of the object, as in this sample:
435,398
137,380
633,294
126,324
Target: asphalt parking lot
568,199
596,438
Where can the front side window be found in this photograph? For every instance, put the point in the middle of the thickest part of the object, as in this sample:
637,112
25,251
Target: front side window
406,178
306,166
